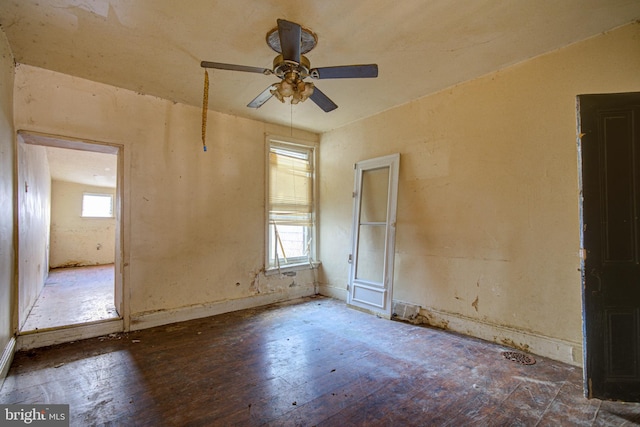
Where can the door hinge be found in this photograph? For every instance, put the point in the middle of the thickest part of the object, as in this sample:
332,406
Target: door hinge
350,260
348,287
583,254
353,195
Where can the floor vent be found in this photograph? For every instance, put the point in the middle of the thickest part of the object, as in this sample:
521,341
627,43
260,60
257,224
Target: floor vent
405,311
515,356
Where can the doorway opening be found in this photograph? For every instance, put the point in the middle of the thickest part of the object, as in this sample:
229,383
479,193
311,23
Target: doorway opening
69,255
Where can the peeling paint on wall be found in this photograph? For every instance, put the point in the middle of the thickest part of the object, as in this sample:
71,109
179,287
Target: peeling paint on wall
474,304
510,343
254,287
430,320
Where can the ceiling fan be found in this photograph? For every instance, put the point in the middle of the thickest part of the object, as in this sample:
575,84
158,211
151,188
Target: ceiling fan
291,42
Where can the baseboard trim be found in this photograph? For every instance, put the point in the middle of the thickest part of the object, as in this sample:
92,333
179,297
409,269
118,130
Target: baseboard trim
7,358
43,338
553,348
333,292
166,317
561,350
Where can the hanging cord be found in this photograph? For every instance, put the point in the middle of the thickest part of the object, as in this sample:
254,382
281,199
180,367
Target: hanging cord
205,107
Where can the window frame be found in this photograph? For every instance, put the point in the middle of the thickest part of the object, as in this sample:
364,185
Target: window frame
286,143
95,194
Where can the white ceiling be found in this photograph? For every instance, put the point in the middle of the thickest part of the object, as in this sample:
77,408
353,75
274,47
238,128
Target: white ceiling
421,46
83,167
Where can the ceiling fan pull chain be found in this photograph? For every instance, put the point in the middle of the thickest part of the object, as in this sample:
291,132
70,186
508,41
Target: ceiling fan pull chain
205,107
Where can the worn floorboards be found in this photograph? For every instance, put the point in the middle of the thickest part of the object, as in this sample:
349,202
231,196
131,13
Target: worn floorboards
72,296
312,362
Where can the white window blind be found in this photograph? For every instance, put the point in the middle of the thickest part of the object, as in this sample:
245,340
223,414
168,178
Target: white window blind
290,187
291,210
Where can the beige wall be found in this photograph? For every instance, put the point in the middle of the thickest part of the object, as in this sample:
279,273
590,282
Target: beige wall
77,241
193,221
7,227
488,220
34,224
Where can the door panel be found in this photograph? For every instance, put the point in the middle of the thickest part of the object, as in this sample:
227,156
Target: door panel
621,352
371,251
370,297
373,234
610,154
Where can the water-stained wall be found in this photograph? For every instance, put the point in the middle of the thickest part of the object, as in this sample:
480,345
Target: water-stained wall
193,221
488,206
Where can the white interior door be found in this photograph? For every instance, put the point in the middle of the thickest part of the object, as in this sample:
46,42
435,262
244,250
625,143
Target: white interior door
373,234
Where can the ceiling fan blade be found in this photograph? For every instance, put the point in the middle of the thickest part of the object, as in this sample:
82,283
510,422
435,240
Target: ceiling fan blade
345,72
233,67
262,98
290,38
322,100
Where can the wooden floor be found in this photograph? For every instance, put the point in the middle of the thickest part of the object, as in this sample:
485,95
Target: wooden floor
305,363
73,296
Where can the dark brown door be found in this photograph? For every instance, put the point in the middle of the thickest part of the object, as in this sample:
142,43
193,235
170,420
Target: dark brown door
610,147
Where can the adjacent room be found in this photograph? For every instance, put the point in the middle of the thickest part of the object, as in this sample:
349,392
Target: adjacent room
281,189
80,282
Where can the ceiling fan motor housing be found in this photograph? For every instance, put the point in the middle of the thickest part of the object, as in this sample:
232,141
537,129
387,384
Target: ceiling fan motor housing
282,67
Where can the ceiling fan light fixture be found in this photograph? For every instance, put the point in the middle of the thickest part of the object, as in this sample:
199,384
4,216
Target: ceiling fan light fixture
294,88
276,93
305,90
286,89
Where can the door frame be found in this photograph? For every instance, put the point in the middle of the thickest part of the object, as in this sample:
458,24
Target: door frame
73,332
391,161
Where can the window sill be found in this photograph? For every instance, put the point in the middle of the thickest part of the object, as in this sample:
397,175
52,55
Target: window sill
292,268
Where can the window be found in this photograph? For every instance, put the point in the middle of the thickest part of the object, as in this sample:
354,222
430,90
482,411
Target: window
97,205
290,204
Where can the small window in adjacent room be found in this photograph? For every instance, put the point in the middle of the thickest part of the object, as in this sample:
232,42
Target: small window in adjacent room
290,204
97,205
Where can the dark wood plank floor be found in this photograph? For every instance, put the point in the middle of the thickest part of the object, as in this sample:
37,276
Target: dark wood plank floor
304,363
